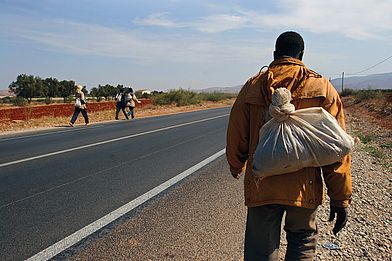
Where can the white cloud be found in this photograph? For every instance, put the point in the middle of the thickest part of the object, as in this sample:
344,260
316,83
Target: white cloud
352,18
209,24
220,23
144,48
158,19
357,19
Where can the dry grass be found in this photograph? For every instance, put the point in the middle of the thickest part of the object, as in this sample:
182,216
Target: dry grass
100,116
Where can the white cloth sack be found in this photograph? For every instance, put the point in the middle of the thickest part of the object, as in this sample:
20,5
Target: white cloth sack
295,139
78,103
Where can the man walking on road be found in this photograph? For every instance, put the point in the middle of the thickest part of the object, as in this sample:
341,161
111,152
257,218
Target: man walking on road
296,194
121,104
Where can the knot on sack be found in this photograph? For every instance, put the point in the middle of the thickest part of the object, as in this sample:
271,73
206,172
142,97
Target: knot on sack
281,108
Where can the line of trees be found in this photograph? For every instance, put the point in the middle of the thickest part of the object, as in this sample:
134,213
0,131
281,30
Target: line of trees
30,86
106,91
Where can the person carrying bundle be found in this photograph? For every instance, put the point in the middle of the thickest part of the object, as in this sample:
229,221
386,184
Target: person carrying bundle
121,104
131,101
80,106
295,193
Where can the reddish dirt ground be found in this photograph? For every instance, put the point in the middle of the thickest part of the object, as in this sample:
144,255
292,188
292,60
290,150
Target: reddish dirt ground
54,110
378,112
95,113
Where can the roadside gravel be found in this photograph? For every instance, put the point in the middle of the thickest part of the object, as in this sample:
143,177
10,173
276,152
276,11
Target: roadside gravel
203,217
368,233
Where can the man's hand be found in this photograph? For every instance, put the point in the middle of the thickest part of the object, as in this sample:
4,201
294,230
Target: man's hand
341,218
236,175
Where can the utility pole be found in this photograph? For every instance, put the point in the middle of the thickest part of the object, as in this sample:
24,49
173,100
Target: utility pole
342,80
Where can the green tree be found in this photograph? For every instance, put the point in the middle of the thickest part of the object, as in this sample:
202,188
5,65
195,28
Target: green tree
28,86
52,87
66,89
107,91
119,88
94,92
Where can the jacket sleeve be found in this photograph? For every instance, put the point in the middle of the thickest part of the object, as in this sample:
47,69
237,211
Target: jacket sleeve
237,138
337,176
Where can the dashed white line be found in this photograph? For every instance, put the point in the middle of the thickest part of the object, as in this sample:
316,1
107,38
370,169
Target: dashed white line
50,133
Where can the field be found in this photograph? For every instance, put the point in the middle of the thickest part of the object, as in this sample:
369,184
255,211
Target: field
59,115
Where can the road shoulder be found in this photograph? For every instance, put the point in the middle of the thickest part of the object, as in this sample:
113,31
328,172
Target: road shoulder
202,218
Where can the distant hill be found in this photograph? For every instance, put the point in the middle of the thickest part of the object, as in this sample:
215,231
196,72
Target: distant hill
373,81
234,89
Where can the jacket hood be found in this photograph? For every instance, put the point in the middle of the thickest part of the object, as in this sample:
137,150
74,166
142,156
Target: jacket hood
286,72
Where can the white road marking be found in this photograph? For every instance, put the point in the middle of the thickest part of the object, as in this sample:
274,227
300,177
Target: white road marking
74,238
106,141
51,133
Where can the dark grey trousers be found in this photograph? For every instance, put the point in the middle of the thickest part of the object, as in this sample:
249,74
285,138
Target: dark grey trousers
263,229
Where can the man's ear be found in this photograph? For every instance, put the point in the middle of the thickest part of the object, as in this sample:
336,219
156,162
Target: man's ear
301,55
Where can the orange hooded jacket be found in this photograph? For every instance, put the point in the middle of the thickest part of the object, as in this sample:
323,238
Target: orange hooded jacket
303,188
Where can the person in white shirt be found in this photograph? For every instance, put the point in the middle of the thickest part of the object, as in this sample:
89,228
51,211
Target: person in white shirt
131,101
80,106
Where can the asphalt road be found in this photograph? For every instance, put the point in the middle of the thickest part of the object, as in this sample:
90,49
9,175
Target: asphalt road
201,218
56,182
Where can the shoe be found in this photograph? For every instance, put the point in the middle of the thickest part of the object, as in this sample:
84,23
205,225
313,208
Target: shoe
133,116
71,124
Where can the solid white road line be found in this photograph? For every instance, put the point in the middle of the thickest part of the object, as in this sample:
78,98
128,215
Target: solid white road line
51,133
74,238
106,141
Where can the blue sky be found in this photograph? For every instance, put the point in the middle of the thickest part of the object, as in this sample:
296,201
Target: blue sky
163,45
